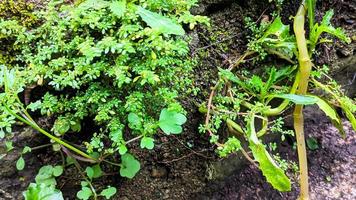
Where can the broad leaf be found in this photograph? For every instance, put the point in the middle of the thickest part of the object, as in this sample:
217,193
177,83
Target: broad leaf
277,38
171,122
129,166
331,113
297,99
273,173
349,108
159,22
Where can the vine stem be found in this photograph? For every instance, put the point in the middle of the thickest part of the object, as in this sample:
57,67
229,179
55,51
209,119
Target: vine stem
305,66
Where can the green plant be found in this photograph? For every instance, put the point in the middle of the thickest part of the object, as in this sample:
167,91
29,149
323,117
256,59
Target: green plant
119,64
244,102
45,186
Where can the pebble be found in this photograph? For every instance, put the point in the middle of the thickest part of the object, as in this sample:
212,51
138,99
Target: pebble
159,172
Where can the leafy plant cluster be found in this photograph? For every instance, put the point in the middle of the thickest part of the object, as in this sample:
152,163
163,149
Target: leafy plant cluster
20,10
246,102
118,65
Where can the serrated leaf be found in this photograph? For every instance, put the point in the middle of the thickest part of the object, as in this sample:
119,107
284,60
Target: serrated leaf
20,164
273,173
171,122
159,22
34,105
129,166
108,192
226,74
278,38
118,8
277,28
298,99
326,27
147,142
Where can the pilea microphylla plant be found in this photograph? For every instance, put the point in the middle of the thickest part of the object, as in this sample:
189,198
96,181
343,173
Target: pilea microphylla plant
118,65
246,103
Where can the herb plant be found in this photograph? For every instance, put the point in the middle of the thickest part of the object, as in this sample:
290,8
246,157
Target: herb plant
118,65
246,103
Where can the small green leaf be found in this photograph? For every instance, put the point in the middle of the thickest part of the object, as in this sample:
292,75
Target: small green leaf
90,172
118,7
84,183
147,142
61,126
57,170
312,144
45,176
122,149
298,99
134,121
226,74
26,149
9,146
159,22
97,171
20,164
85,193
108,192
2,134
34,106
129,166
171,122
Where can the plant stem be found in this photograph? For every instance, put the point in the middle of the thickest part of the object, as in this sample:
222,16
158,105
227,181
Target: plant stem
305,66
39,129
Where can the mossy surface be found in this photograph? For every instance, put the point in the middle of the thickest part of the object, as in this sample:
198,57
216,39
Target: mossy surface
19,10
